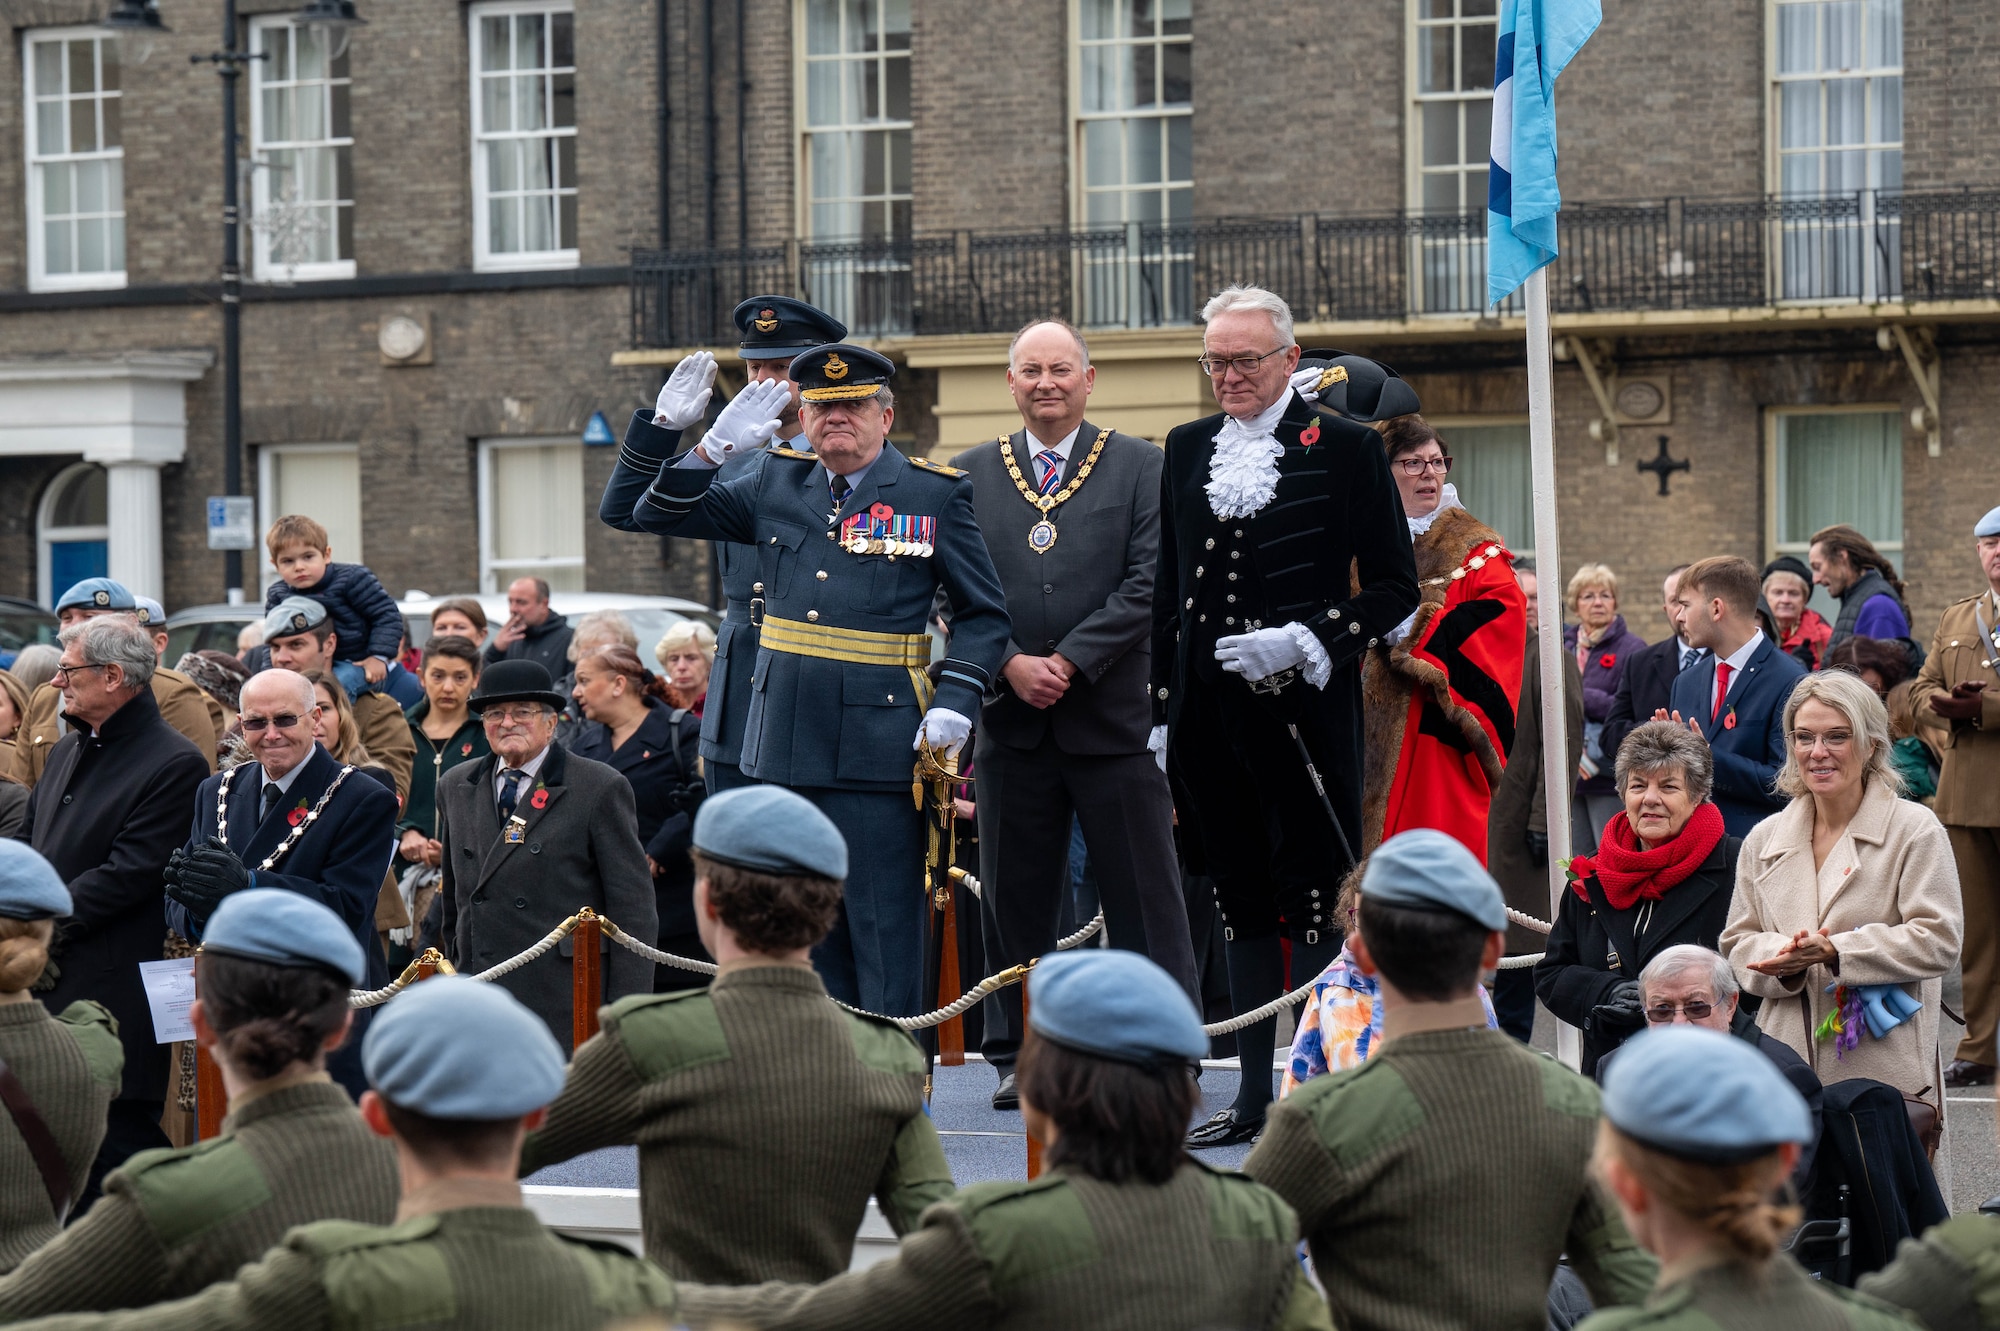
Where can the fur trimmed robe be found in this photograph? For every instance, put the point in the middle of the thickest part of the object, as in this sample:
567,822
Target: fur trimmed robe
1439,706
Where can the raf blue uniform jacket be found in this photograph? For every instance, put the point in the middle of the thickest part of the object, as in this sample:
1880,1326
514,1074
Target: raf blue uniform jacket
817,722
727,710
1748,738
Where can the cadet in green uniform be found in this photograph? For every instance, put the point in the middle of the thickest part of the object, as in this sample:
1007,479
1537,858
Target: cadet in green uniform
1124,1231
65,1069
272,981
1701,1131
1438,1182
765,1115
460,1071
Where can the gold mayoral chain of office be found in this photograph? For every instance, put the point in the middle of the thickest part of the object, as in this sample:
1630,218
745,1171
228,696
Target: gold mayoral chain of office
298,828
1042,536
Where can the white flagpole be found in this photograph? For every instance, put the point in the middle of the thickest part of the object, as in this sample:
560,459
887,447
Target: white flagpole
1549,582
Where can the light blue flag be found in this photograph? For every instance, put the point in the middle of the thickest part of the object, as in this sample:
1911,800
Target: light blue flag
1537,39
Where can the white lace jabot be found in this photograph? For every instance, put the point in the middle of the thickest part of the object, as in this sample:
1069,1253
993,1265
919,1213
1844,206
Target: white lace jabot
1243,470
1449,499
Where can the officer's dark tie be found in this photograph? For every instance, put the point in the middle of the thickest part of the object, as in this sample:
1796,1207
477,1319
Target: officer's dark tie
274,795
841,489
510,792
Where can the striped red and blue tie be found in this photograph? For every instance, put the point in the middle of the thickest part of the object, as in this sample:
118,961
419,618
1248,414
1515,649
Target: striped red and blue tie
1049,464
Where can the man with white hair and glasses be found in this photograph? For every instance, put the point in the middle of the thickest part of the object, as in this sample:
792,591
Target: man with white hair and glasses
1268,510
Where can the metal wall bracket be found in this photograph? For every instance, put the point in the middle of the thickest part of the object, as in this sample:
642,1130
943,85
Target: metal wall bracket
1594,359
1920,354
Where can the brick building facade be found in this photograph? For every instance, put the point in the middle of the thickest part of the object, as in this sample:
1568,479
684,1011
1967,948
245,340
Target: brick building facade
1756,214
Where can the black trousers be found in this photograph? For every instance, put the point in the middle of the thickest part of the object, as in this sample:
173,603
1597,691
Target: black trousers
1026,798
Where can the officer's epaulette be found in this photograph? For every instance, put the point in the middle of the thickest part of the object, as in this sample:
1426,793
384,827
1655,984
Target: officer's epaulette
794,455
925,464
634,1002
1967,600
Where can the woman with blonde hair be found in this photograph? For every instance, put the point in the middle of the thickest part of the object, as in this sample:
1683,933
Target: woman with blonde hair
1601,644
1847,911
1700,1133
687,653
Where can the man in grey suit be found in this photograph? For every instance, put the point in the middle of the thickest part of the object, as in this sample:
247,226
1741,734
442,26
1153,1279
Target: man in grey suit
1071,514
531,835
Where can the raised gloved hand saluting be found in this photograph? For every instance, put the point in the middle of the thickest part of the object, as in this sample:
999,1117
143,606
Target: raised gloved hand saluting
1260,652
1305,381
684,397
200,878
749,421
944,729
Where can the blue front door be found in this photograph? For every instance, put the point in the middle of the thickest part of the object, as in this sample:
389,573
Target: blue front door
70,562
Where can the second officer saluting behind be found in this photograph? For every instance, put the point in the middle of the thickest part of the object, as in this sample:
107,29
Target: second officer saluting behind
854,540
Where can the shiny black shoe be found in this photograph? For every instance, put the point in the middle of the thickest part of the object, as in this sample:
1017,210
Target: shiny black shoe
1006,1096
1226,1128
1964,1072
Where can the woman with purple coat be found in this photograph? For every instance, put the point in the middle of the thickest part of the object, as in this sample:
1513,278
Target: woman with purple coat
1601,643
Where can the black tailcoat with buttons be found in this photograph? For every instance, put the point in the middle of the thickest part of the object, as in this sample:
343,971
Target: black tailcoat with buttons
1330,550
579,847
108,811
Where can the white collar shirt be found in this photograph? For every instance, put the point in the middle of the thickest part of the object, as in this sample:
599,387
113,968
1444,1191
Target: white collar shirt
528,769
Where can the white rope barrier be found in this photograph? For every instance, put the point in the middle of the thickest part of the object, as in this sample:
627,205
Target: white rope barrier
1521,963
1270,1009
1528,921
653,954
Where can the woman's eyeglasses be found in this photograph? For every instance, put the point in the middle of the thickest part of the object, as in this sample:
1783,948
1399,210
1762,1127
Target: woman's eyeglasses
1662,1013
1833,739
1418,466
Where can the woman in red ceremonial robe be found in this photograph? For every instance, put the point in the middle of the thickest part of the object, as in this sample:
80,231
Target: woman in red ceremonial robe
1440,691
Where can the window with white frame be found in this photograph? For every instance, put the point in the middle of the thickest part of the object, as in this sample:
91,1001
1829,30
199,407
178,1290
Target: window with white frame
1839,71
301,142
1451,44
531,511
76,160
1492,473
524,135
857,119
1135,110
321,481
1836,467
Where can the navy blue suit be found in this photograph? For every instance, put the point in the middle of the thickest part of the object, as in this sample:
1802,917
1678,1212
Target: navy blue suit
339,862
647,448
840,732
1748,738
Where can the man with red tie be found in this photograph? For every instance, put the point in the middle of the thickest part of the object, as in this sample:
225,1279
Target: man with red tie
1735,696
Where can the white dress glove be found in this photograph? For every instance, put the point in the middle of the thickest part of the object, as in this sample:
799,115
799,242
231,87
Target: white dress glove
1304,381
684,397
944,729
749,422
1260,652
1156,744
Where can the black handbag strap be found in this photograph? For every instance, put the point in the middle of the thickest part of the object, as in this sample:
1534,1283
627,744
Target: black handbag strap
41,1142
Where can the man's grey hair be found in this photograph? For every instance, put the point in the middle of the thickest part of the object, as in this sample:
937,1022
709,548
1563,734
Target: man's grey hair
1683,957
116,640
35,665
1659,745
1082,347
1244,297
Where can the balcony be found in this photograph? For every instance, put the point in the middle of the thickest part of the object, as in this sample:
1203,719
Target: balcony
1672,254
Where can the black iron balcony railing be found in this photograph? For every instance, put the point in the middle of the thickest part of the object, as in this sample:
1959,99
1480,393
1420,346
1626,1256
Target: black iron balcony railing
1656,254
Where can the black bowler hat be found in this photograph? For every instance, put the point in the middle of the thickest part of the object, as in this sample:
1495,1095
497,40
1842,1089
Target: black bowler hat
1358,388
840,373
779,327
515,681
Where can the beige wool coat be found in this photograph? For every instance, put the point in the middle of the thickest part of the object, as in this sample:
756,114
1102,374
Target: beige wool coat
1896,919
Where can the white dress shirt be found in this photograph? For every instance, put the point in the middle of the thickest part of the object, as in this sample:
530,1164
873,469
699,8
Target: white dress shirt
1736,660
1035,447
528,768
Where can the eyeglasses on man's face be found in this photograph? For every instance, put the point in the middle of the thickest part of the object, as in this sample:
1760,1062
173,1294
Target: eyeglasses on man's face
1694,1009
256,725
63,672
1418,466
1216,366
513,716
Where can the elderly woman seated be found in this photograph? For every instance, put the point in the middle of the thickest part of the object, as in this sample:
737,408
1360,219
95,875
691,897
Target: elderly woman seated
1662,875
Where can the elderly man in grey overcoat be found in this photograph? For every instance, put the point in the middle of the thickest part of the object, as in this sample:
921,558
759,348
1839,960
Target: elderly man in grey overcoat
1071,514
532,834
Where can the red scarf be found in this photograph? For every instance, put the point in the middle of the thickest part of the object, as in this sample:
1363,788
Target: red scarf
1628,871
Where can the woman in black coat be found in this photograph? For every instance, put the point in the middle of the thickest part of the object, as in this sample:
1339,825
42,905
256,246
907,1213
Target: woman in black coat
629,725
1663,874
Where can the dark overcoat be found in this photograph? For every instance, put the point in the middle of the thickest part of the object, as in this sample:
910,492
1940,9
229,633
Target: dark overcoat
108,812
1748,735
658,761
579,846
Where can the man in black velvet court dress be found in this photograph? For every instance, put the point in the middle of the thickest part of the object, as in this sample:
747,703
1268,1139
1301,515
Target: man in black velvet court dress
1284,556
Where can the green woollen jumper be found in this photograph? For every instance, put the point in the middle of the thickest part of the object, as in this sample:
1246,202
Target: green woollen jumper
1775,1295
765,1117
174,1221
70,1067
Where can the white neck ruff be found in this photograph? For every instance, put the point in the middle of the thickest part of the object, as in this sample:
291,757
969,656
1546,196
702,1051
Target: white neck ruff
1448,499
1243,470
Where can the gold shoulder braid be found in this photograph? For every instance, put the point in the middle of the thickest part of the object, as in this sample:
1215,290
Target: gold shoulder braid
299,830
1042,536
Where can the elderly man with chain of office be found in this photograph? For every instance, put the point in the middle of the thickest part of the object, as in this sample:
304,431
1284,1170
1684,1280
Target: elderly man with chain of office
854,540
1284,556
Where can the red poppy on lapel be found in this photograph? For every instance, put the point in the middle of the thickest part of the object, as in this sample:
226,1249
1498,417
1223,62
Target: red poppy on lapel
645,753
296,816
1309,436
465,750
1608,660
540,799
1729,719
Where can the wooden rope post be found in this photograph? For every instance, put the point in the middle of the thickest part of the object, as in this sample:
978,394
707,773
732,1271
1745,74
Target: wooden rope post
211,1098
427,964
586,974
1034,1147
951,1034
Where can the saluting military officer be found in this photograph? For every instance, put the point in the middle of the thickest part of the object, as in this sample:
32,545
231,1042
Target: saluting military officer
1700,1132
765,1115
271,981
775,329
853,540
460,1071
1125,1229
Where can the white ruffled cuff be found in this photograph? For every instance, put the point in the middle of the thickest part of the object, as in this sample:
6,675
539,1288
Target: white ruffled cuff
1401,631
1319,665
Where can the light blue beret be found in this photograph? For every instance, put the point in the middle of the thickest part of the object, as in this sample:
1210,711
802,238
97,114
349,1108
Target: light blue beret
771,830
30,887
453,1047
1988,525
294,614
285,929
1427,870
96,594
1113,1003
1702,1095
150,611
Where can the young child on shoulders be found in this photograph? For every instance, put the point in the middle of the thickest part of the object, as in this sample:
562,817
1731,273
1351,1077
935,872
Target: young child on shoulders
368,626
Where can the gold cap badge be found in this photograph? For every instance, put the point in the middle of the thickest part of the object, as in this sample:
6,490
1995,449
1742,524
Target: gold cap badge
1331,375
766,321
835,368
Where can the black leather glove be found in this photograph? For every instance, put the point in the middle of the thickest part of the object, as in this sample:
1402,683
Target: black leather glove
200,878
1538,848
1621,1011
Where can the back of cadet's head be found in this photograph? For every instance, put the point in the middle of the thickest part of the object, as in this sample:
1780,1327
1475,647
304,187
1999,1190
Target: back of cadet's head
1427,910
273,979
773,865
32,898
